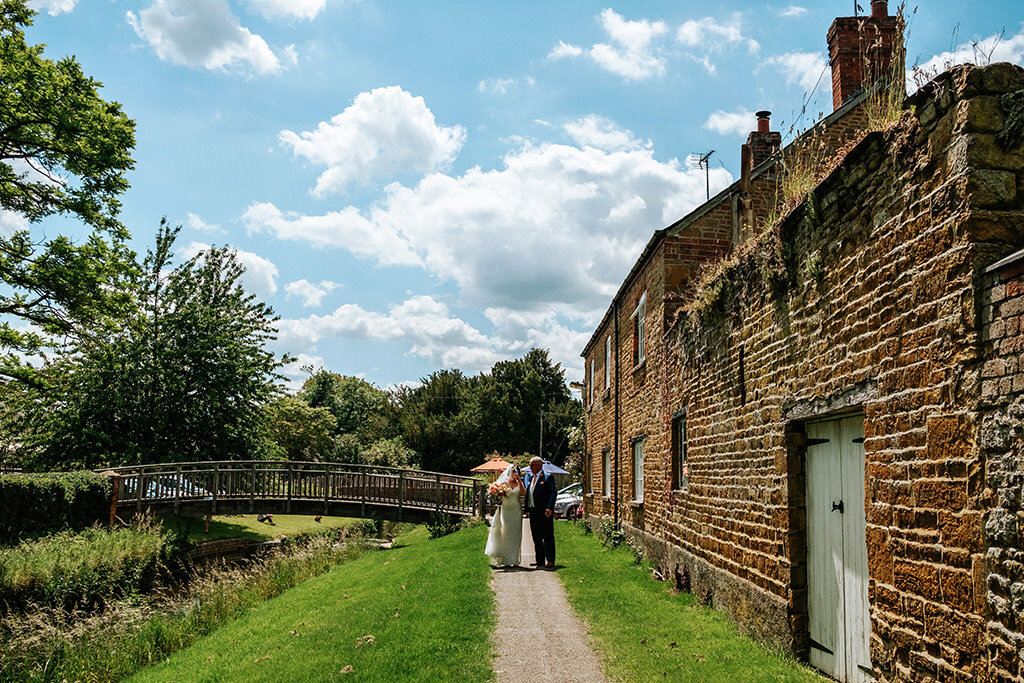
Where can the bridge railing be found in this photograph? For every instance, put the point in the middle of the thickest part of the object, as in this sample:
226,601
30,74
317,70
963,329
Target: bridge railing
287,481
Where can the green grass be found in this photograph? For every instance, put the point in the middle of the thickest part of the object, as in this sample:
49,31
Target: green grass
246,526
645,632
426,603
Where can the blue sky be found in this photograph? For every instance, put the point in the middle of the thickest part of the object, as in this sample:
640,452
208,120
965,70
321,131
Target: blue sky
416,185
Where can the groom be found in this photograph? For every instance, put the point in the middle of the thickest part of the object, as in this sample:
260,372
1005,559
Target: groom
540,503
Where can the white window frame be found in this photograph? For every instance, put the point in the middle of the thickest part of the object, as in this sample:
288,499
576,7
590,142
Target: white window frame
608,362
606,473
640,325
592,381
638,471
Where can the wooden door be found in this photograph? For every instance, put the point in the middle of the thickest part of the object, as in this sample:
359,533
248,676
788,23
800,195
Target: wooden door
837,556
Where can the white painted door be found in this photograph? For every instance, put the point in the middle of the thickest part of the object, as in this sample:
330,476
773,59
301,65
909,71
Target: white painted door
837,555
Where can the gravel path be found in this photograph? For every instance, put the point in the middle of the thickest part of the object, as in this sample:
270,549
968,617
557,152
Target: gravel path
539,645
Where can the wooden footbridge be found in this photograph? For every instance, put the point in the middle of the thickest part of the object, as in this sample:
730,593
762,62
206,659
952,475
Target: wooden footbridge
313,488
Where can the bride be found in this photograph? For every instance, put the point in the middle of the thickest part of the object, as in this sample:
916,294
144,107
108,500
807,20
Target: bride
506,533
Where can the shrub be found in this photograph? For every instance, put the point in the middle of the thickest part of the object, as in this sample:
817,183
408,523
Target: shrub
36,504
611,533
442,524
82,569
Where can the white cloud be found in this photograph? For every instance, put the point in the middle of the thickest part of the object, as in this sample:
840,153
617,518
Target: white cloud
792,12
995,48
563,50
196,223
347,228
383,132
53,7
739,122
556,228
805,69
501,86
424,324
298,9
596,131
11,223
260,275
630,53
709,36
312,295
202,33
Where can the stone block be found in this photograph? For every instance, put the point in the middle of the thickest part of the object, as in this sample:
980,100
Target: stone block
991,188
980,150
980,115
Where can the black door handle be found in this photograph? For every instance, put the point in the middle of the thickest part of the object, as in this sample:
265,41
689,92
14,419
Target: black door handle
838,506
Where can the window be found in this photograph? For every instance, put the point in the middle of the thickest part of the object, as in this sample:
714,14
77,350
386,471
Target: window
606,472
638,470
680,467
639,330
592,380
608,362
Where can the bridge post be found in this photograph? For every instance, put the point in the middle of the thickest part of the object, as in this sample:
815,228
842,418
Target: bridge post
478,490
401,492
362,489
140,489
438,478
291,475
252,490
177,487
327,489
216,487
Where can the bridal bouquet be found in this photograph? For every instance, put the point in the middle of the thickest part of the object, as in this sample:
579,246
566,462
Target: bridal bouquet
498,488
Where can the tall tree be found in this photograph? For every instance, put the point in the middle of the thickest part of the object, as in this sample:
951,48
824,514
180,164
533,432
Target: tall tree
514,397
63,151
440,421
184,378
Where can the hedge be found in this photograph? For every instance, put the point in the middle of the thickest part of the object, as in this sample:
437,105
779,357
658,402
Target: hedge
36,504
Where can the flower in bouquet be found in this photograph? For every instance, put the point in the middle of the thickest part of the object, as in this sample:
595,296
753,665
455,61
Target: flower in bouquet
498,488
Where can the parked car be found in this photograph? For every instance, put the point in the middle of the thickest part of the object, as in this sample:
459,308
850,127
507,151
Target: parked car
166,486
568,501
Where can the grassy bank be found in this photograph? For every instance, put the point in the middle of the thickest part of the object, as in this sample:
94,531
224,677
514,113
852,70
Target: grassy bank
646,632
56,644
422,611
246,526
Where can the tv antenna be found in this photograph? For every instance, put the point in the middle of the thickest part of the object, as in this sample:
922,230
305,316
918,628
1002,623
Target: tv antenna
704,165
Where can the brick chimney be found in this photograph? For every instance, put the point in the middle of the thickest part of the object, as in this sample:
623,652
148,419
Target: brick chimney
763,142
860,50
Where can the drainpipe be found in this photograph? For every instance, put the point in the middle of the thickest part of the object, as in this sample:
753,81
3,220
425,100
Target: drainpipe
615,499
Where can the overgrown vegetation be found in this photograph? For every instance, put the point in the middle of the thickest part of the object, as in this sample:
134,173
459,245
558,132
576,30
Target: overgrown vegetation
82,570
36,504
677,639
45,642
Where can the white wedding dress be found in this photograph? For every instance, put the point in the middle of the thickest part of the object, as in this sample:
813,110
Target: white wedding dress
506,535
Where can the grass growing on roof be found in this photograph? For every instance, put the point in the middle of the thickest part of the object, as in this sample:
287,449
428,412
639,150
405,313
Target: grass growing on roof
246,526
421,611
645,632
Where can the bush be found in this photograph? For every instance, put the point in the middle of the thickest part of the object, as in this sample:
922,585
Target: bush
82,569
442,524
37,504
611,534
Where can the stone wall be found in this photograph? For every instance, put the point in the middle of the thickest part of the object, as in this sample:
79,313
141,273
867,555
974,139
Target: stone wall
875,305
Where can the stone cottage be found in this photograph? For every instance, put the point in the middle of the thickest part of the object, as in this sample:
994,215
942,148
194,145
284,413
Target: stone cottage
823,436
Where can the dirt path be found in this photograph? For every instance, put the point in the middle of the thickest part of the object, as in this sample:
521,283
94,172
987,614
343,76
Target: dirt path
539,645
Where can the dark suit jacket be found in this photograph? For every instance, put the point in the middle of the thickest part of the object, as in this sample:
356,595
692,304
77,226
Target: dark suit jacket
545,493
